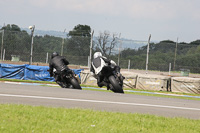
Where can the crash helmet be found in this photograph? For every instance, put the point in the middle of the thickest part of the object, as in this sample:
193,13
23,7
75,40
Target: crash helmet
97,54
54,54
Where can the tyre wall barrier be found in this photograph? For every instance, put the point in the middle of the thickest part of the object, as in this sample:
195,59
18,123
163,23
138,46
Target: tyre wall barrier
88,79
152,82
134,80
185,85
130,79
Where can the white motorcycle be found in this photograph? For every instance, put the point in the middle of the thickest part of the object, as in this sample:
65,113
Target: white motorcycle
113,79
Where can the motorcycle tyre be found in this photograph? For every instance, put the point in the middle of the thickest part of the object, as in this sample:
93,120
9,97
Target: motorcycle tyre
61,85
116,87
75,84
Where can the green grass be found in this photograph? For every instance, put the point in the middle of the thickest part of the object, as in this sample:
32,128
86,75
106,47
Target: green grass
27,81
163,92
24,118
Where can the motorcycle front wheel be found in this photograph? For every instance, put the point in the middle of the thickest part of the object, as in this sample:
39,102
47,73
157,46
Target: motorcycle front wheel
75,84
116,87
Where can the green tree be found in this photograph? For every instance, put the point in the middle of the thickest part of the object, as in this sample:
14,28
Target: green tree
15,42
12,27
77,46
78,43
197,42
80,31
162,53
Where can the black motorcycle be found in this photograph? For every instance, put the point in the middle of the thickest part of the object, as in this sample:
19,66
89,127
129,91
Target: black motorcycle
68,79
113,79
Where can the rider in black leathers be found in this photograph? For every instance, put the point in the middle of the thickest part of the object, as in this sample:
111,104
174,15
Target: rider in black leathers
96,63
60,64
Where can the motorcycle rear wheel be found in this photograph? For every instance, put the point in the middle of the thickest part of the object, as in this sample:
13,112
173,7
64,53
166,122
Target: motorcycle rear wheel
75,84
116,87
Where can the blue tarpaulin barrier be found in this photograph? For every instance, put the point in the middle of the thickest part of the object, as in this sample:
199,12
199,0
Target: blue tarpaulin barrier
37,73
28,72
12,71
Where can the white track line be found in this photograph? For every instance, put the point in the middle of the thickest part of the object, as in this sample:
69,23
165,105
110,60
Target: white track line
96,101
7,82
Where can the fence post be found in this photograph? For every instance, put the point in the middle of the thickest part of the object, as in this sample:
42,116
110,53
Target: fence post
175,54
91,46
89,61
47,57
32,28
63,41
119,48
169,68
129,63
2,44
4,52
147,59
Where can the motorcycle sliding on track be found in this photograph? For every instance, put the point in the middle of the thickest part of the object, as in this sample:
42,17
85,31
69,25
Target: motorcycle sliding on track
68,79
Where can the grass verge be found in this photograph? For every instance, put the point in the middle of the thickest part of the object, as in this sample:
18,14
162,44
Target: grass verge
164,94
27,81
25,118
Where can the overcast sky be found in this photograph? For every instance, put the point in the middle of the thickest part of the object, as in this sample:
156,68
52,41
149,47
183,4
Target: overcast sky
134,19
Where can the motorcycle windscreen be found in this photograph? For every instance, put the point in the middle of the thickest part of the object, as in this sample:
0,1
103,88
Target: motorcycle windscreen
101,63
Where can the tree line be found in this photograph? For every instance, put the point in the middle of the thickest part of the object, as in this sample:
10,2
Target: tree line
76,48
163,53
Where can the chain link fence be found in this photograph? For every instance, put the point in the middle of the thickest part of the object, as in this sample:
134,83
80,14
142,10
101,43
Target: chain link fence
129,54
17,47
163,56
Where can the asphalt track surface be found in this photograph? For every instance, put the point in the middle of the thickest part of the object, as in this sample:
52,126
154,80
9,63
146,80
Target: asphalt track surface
97,100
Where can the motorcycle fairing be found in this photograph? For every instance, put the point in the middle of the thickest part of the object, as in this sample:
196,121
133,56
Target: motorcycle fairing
98,65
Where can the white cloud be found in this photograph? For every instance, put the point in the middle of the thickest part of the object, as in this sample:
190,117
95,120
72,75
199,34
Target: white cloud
131,8
161,17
